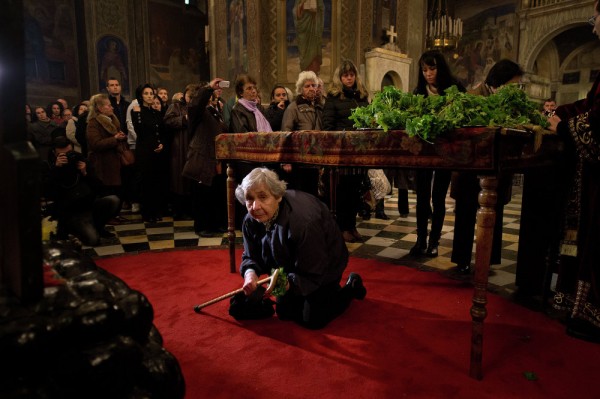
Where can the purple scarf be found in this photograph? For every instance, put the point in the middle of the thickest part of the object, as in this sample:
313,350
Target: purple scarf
262,124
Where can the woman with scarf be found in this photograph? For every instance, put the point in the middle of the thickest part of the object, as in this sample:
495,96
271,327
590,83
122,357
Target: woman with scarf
104,136
248,115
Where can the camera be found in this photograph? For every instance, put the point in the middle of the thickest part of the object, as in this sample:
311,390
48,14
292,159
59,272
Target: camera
223,84
73,157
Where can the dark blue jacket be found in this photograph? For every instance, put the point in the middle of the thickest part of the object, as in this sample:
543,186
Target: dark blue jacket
304,239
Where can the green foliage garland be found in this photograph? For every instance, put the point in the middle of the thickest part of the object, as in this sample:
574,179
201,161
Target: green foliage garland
429,117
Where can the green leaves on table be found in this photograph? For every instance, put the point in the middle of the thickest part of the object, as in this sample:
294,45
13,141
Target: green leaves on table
429,117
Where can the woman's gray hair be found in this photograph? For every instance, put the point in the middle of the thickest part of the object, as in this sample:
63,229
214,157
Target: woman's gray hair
302,78
259,176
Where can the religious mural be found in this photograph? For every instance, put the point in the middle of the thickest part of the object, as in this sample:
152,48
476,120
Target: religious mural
175,44
50,42
112,62
487,37
236,37
308,35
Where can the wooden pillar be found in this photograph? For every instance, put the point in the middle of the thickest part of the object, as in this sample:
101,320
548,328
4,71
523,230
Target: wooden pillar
20,216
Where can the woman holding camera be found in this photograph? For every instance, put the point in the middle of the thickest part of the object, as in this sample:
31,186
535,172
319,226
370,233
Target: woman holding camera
208,188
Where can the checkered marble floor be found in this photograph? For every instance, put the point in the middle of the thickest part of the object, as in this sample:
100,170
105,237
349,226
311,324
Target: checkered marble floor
387,240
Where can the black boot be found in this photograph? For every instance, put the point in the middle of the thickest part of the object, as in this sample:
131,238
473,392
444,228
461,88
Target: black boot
365,212
380,210
432,248
420,247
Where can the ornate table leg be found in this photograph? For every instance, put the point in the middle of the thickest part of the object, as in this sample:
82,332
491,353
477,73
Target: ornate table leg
486,217
231,216
333,182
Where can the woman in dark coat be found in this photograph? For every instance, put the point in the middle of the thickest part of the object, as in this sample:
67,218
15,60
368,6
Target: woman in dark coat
434,79
103,133
279,103
346,93
207,179
151,157
176,122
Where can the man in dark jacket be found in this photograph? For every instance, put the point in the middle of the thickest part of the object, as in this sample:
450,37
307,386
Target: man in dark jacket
73,188
295,231
118,102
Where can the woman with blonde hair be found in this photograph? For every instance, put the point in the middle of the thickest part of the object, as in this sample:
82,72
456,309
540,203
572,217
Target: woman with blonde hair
346,93
104,136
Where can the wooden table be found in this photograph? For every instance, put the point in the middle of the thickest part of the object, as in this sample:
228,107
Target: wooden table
486,151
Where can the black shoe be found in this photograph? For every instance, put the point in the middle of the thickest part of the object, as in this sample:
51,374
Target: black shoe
432,249
365,215
404,215
463,269
356,284
381,215
106,234
420,247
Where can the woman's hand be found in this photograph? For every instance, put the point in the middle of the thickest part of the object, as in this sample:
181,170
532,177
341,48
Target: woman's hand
136,108
121,136
287,167
214,84
250,282
159,148
281,104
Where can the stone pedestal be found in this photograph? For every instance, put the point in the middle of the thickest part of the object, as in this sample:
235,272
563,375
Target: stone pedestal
381,62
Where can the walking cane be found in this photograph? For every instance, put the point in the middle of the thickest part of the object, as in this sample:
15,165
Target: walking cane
272,278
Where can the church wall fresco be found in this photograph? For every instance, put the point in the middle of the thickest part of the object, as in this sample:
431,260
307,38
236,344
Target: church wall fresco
487,37
51,58
162,41
176,45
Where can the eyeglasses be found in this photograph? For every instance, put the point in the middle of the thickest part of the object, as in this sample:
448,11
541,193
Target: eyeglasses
592,20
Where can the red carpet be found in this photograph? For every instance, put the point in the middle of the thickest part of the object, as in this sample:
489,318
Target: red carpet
409,338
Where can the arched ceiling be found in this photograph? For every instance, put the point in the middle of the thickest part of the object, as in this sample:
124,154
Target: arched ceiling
569,40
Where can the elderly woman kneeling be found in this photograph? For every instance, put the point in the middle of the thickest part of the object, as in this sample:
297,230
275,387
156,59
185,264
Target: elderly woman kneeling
295,231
